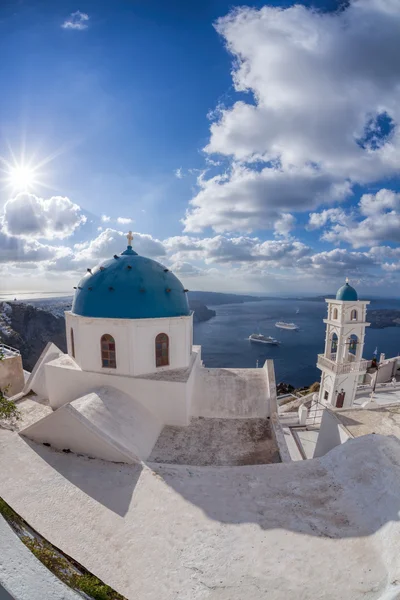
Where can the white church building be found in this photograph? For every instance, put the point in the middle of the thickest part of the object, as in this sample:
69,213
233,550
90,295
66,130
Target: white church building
131,367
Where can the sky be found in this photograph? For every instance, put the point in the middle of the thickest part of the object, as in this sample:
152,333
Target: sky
250,148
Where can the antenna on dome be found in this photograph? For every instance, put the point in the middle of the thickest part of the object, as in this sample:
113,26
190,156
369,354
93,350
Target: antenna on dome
129,237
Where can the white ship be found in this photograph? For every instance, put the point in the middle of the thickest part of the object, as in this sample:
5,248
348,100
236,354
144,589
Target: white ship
262,339
283,325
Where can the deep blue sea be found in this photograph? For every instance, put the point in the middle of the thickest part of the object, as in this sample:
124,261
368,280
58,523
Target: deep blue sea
224,338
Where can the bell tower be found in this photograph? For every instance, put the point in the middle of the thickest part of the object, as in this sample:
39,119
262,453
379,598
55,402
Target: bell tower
342,363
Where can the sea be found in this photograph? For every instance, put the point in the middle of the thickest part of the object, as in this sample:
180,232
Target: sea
225,343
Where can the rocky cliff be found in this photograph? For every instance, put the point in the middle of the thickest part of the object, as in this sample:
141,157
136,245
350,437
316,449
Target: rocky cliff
29,327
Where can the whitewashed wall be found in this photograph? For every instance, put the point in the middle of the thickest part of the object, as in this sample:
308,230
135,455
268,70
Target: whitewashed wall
168,400
231,393
331,434
134,341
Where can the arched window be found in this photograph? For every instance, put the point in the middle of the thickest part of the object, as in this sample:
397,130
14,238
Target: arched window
352,342
162,350
334,341
108,356
353,315
335,313
72,343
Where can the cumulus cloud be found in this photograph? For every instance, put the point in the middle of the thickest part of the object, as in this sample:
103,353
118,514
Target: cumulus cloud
27,215
284,225
376,220
324,113
18,250
105,218
331,215
179,173
235,250
245,199
76,20
184,269
124,220
111,241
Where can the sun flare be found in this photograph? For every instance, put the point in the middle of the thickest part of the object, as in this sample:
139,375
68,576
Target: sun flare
21,178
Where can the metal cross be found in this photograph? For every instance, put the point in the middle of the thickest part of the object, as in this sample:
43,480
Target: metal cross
129,238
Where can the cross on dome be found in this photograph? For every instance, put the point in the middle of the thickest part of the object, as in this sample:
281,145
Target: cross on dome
347,280
129,237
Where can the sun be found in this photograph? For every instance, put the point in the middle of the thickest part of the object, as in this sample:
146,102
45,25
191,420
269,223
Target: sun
21,178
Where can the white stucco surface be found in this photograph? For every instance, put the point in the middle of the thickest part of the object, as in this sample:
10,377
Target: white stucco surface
231,393
323,528
332,433
165,394
37,379
105,423
134,342
23,575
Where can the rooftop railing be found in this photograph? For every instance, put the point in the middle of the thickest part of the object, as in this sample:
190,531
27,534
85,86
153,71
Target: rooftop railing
8,350
342,368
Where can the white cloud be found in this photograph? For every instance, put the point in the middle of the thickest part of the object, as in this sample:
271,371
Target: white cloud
29,216
331,215
284,225
111,242
321,82
105,218
184,269
381,222
76,20
179,173
21,251
124,220
245,199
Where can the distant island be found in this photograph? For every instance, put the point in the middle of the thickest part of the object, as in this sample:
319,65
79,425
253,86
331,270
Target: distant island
385,317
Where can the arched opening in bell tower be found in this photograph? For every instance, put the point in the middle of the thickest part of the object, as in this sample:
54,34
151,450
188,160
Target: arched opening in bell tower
333,348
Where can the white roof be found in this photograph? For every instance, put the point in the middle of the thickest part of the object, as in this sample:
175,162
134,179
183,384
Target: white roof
315,529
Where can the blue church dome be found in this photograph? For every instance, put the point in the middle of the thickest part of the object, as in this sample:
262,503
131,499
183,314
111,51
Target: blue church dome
347,293
130,286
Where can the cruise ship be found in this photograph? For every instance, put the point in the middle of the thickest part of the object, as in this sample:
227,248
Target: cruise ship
262,339
283,325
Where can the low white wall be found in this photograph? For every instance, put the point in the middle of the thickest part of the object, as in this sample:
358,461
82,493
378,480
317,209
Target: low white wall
11,375
165,399
231,393
331,434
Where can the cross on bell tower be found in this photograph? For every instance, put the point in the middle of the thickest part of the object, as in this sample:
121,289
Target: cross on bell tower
342,363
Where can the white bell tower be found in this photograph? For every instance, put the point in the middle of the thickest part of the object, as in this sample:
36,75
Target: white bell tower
342,364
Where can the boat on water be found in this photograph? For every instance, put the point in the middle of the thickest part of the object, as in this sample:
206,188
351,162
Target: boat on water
263,339
284,325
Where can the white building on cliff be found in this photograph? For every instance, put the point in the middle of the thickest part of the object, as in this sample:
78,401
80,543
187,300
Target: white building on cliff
131,367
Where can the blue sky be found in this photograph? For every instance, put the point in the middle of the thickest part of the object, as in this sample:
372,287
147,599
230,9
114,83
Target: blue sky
252,149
